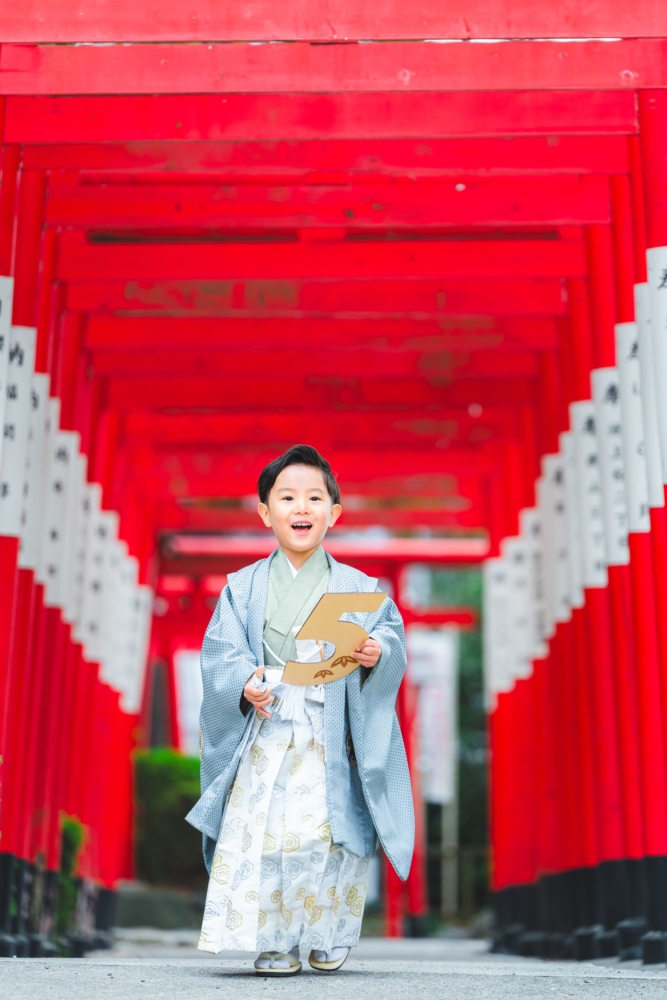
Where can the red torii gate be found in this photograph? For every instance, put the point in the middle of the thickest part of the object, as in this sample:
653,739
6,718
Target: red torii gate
417,250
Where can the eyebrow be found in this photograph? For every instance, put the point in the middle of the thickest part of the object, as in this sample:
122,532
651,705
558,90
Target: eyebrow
292,489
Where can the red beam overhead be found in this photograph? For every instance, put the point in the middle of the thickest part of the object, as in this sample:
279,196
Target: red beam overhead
130,335
314,360
325,20
467,258
402,549
418,428
310,116
285,394
456,201
453,303
460,514
522,155
348,68
209,472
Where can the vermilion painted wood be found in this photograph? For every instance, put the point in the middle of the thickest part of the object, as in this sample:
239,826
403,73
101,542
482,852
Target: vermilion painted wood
16,697
659,561
226,365
305,68
572,807
310,116
79,259
354,393
602,289
464,517
26,248
628,718
652,106
425,335
589,806
9,163
200,472
652,724
639,241
8,588
325,158
421,427
443,300
460,201
547,820
326,20
624,249
601,650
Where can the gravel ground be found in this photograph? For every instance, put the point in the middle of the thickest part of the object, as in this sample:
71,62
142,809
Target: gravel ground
149,965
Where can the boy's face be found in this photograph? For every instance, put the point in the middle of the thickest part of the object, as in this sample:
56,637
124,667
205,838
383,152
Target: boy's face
299,510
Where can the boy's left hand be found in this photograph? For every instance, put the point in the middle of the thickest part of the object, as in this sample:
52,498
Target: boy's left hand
368,653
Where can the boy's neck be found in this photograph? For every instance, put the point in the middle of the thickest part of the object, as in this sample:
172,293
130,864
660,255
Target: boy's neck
298,559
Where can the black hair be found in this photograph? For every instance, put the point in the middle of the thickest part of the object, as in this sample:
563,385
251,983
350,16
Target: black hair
299,454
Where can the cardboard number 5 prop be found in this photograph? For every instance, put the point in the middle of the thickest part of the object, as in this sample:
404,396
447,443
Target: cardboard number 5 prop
324,625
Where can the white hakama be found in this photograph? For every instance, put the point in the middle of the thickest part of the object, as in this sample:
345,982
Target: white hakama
277,880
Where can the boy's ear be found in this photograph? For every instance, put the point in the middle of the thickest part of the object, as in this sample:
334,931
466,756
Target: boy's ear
336,511
263,512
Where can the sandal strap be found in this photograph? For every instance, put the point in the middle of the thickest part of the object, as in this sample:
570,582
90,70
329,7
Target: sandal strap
286,955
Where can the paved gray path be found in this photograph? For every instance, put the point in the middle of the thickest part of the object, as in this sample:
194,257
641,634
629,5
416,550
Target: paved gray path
145,969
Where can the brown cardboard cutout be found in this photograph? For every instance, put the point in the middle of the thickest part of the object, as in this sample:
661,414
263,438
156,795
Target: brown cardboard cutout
324,625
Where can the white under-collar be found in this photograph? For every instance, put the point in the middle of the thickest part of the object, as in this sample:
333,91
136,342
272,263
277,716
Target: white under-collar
293,570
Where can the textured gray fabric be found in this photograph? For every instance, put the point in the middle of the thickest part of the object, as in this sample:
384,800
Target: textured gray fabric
368,782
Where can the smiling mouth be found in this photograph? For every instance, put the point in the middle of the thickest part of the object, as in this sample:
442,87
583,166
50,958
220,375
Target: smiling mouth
302,526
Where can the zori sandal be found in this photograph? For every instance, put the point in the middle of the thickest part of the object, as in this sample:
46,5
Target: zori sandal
277,963
330,961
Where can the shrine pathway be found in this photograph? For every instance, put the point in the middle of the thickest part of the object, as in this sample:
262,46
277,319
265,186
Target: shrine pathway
165,966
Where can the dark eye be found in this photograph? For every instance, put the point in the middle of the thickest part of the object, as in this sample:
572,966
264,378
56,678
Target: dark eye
316,498
288,498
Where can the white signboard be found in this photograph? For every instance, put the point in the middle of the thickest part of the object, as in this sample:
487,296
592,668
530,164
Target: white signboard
6,293
574,542
34,485
498,667
64,447
632,427
656,493
15,432
556,556
142,618
607,401
84,501
589,488
432,667
530,525
189,695
656,259
515,553
89,626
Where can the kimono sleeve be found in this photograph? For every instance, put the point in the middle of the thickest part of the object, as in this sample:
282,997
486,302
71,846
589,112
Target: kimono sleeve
226,664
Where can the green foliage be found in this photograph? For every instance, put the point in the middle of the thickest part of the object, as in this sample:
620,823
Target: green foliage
452,588
70,845
168,850
456,588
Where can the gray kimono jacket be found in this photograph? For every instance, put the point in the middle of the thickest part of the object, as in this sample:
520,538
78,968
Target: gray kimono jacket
368,782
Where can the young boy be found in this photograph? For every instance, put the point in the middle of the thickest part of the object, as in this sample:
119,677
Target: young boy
298,783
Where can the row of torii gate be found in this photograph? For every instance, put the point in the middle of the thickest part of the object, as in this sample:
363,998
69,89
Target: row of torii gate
230,227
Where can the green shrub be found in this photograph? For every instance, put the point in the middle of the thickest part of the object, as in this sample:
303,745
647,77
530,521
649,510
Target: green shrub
70,845
168,850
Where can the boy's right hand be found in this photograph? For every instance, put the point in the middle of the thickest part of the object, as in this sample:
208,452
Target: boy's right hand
260,700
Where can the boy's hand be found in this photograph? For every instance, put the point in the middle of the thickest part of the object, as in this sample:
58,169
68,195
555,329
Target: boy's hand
368,653
259,700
